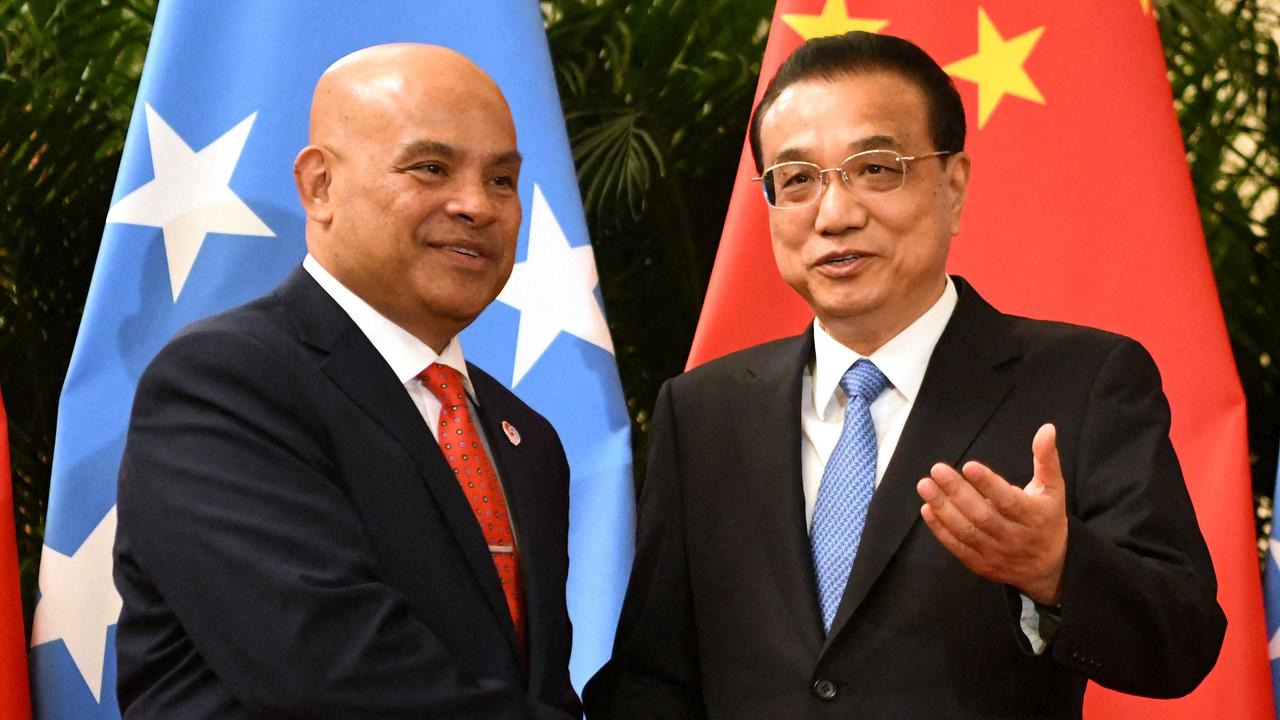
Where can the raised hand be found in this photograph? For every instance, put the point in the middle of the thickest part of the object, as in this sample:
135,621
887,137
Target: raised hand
1011,535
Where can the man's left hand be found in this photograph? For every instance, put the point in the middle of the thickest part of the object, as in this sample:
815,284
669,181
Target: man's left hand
1016,536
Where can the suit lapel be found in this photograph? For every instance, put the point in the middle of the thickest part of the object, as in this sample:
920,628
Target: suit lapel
355,367
778,488
968,377
529,510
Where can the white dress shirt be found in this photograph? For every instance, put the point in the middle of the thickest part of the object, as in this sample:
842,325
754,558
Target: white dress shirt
903,360
407,355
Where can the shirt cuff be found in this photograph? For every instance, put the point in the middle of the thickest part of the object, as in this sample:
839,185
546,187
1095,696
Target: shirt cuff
1039,623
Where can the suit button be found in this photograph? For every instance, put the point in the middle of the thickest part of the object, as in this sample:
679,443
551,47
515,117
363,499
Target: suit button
825,689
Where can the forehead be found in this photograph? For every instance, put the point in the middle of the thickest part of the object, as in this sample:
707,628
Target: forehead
824,120
471,117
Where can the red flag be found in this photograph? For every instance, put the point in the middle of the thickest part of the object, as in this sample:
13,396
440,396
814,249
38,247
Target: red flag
15,698
1080,209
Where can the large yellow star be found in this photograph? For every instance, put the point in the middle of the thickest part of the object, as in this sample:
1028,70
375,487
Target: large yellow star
997,67
834,20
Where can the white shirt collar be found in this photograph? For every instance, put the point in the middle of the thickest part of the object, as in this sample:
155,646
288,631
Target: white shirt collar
903,359
406,354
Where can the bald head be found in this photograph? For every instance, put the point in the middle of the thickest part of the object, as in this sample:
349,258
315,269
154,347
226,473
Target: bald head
372,82
410,185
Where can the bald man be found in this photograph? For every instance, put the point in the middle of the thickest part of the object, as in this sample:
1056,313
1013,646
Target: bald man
324,511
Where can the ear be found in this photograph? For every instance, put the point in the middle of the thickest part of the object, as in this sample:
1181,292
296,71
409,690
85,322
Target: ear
312,174
957,185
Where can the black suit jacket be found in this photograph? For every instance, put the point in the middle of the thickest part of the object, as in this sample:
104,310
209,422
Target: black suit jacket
292,543
721,618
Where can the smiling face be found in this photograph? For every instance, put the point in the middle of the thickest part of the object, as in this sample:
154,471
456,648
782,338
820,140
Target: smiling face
419,213
868,267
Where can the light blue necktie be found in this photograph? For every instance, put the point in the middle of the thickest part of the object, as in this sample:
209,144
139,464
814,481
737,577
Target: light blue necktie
847,485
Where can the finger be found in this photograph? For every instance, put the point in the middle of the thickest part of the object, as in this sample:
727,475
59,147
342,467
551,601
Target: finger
971,557
946,478
945,482
952,484
969,500
1007,500
942,483
1047,467
965,514
929,491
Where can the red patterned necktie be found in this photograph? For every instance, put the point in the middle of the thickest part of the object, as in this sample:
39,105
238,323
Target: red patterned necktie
463,449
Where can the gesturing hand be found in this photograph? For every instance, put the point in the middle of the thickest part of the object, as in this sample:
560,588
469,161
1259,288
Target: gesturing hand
1016,536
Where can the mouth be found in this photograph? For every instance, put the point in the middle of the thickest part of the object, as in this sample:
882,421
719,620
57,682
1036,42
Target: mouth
462,251
841,260
467,251
843,263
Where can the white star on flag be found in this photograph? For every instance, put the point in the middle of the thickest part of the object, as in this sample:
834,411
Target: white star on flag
554,290
79,601
190,195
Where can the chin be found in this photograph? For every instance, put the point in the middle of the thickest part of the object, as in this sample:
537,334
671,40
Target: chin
845,306
461,313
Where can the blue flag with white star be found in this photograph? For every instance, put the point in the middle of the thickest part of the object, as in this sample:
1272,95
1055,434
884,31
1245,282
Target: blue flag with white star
205,217
1271,594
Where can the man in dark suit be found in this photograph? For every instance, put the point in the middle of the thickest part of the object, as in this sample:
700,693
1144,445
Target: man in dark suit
324,511
920,507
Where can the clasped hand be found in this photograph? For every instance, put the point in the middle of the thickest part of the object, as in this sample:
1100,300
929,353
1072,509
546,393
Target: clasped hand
1011,535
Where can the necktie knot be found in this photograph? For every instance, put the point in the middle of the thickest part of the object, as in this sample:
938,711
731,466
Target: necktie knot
863,379
444,382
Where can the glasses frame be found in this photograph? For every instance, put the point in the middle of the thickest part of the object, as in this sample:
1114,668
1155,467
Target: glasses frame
906,161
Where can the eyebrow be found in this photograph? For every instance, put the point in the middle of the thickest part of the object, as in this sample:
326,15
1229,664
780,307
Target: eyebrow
790,154
871,142
875,142
419,148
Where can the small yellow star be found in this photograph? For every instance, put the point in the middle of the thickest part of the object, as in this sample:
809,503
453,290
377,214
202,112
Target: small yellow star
997,67
834,20
1146,6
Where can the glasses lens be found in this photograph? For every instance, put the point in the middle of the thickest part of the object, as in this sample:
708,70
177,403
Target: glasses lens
875,172
791,184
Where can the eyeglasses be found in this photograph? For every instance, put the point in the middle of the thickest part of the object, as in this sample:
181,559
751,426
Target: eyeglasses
869,173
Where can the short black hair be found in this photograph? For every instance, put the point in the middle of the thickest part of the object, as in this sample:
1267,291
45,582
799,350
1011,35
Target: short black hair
857,53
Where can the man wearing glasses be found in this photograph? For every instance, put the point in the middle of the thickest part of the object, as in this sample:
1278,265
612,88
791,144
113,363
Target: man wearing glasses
921,507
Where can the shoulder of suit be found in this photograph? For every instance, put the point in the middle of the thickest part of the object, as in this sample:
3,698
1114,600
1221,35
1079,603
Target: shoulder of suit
745,363
246,335
1055,332
1081,344
1029,335
260,312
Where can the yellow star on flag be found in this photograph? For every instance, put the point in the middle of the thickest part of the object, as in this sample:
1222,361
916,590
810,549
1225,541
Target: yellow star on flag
997,67
1146,6
834,20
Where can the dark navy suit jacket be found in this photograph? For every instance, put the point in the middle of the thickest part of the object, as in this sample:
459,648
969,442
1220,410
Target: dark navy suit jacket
292,543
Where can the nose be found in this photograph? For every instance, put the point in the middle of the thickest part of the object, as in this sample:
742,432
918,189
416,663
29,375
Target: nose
470,201
839,210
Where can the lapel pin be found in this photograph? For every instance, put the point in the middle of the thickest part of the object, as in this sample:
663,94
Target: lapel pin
512,434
